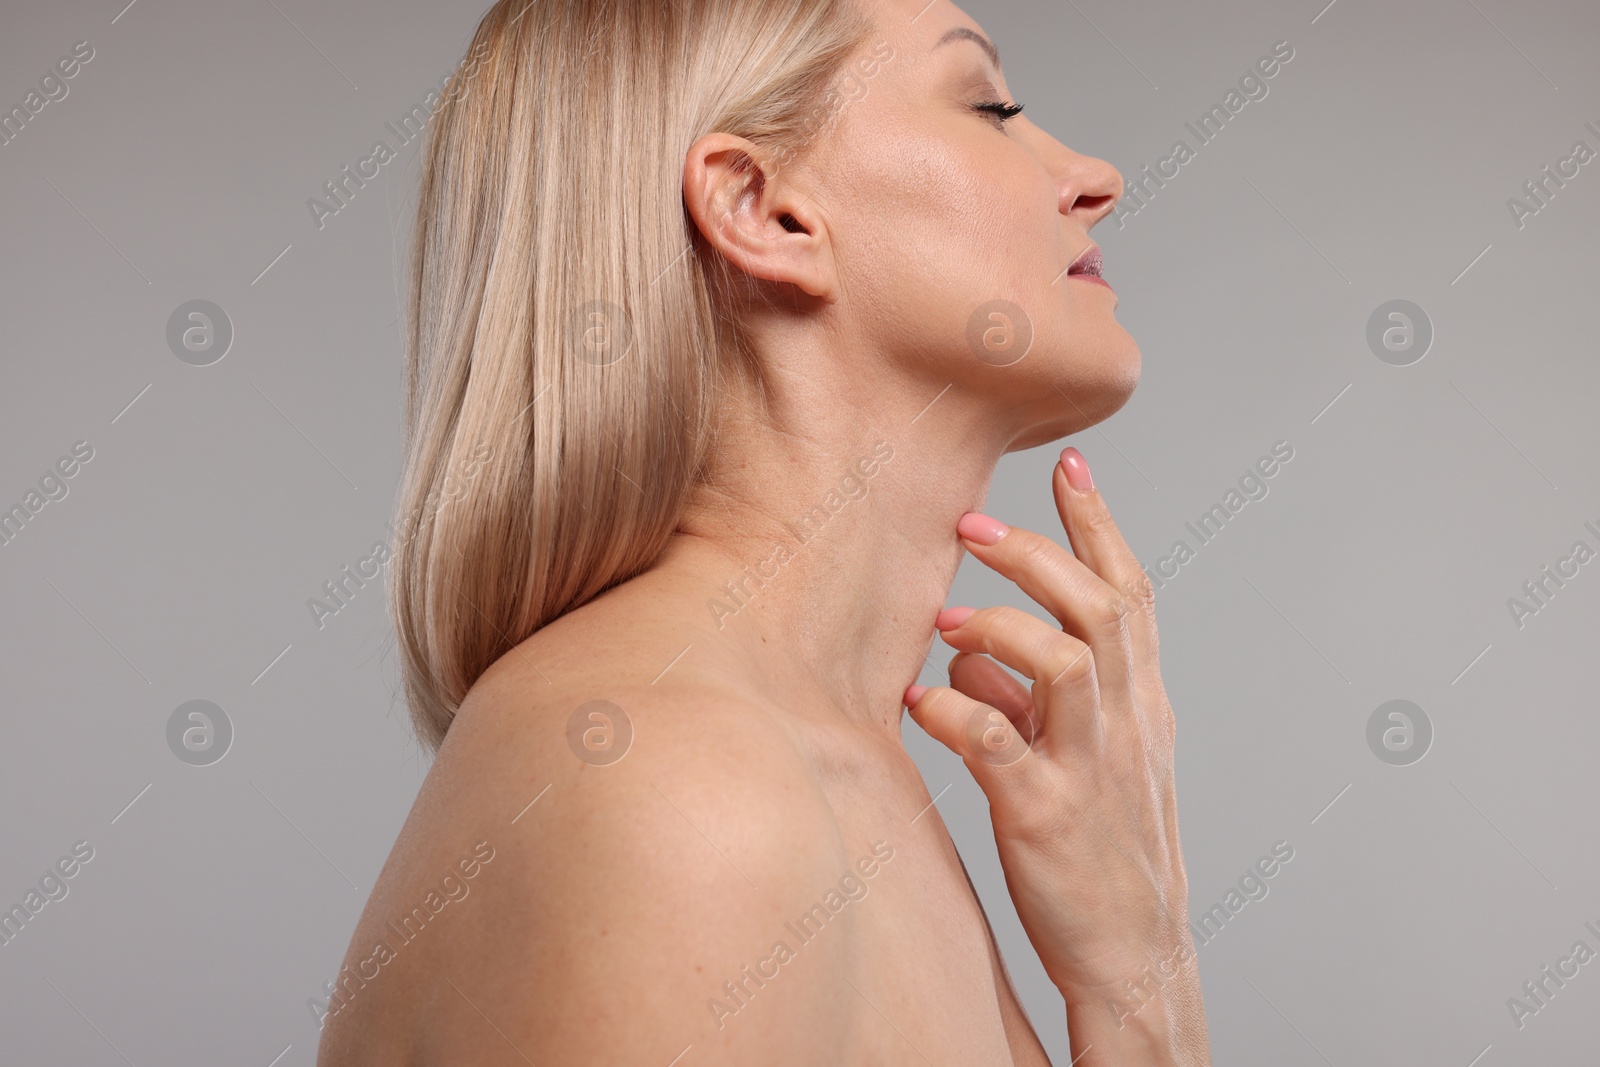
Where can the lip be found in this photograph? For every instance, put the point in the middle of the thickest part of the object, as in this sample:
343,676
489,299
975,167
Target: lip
1088,267
1089,262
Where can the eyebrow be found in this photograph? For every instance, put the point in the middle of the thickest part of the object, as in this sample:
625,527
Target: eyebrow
962,33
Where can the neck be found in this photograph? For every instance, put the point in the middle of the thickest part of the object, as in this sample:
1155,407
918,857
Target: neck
834,546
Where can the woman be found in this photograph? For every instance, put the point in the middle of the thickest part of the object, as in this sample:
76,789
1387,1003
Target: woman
724,312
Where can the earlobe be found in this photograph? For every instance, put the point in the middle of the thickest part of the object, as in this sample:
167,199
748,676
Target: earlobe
762,226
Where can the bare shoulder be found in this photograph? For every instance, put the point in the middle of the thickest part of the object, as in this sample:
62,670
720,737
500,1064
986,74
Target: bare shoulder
654,842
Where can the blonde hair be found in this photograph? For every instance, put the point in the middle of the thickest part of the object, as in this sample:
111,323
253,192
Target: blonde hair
567,325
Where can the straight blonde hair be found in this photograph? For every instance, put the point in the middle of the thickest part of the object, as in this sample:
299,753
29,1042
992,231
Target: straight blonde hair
567,326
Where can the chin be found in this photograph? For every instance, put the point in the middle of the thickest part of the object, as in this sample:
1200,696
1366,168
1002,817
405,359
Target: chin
1080,389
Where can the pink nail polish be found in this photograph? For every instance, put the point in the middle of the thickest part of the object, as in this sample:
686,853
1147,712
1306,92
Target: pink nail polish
975,526
950,618
1077,469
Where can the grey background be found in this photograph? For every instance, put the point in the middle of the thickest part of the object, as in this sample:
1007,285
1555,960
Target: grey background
1418,501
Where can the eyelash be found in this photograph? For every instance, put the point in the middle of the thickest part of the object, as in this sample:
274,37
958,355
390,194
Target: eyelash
1001,111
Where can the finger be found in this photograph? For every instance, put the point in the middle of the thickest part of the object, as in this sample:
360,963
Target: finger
996,754
985,681
1098,542
1066,684
1085,605
1010,772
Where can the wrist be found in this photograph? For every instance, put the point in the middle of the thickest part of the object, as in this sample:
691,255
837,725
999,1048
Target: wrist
1152,1016
1162,950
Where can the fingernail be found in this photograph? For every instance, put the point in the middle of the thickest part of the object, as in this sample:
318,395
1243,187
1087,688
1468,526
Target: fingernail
1077,469
914,694
950,618
975,526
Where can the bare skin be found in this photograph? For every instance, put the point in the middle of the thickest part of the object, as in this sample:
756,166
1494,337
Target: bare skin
632,909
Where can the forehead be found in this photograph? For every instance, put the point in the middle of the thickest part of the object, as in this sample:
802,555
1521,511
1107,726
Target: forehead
918,54
922,28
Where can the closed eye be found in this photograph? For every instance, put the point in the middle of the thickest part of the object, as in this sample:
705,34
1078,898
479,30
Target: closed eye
1001,111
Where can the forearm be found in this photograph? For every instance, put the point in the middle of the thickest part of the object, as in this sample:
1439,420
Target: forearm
1152,1018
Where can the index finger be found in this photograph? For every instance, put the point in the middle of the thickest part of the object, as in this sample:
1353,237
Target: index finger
1098,543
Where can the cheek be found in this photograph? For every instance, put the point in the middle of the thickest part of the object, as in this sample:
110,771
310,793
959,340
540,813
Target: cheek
982,211
1001,235
898,210
1027,204
931,226
953,221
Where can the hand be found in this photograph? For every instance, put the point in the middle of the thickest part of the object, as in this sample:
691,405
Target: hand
1079,771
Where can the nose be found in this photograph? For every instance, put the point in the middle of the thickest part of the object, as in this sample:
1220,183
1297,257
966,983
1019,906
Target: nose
1088,188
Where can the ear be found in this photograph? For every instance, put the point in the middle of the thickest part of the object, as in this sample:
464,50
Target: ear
754,216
